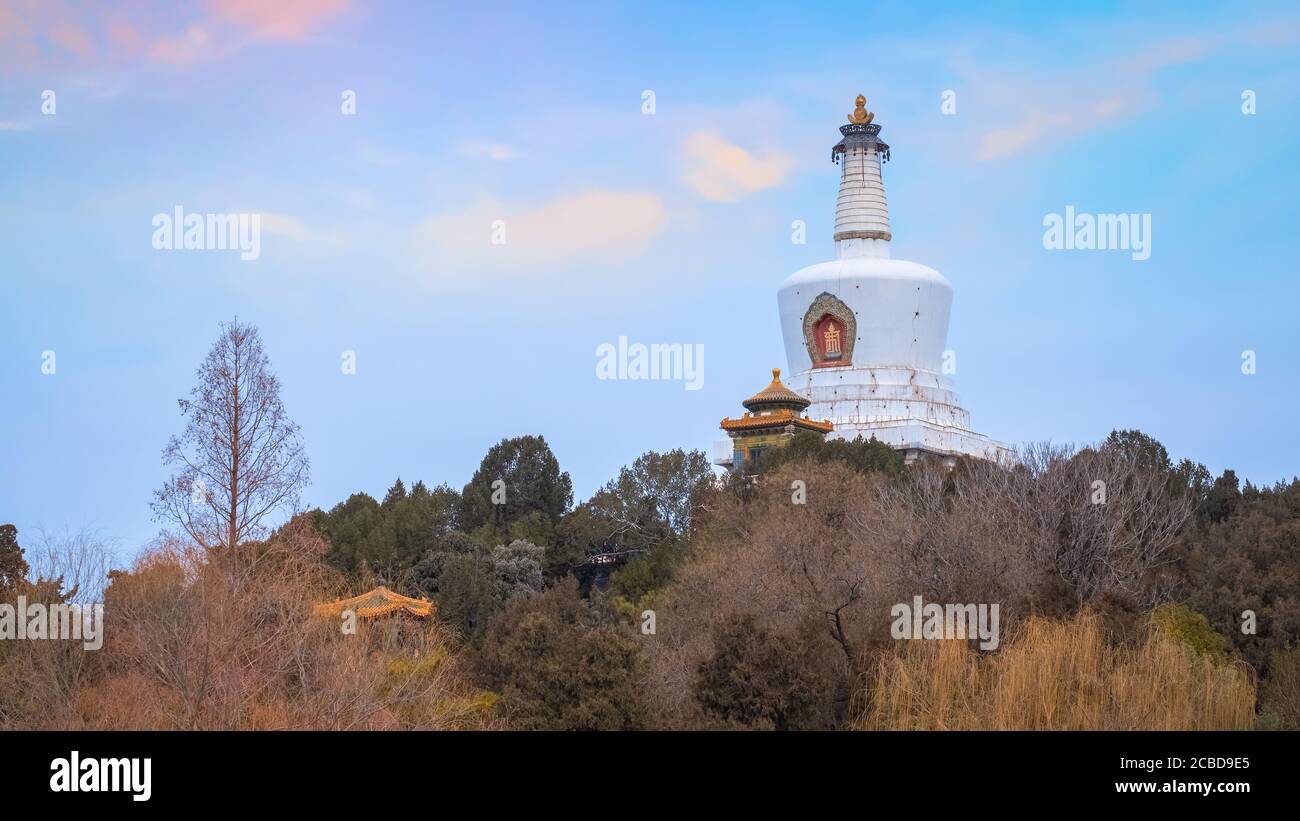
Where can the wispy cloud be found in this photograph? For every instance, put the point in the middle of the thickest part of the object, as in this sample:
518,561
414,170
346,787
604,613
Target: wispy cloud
1053,123
485,150
723,172
192,46
285,226
293,20
375,154
1064,106
593,225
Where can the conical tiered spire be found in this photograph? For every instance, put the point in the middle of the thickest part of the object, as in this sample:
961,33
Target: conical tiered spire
861,212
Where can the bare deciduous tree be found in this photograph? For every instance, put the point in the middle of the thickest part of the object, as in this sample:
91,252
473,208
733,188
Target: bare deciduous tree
1106,518
240,456
78,559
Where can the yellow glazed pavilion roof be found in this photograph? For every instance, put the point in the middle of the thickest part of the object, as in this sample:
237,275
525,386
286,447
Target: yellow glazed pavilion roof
777,392
378,602
777,418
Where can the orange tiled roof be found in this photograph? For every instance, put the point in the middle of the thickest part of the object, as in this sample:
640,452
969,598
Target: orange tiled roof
378,602
777,418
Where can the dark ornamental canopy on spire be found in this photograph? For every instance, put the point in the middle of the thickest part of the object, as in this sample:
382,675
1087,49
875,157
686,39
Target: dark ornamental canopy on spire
860,129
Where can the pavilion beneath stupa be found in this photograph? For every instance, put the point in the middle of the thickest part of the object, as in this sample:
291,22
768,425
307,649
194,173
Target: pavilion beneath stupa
773,416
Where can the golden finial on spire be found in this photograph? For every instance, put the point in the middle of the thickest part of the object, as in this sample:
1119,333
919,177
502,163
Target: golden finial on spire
776,374
860,115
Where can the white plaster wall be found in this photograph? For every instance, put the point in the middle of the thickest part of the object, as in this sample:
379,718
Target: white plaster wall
895,389
901,308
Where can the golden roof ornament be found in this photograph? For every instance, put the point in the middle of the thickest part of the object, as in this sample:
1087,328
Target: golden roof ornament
860,115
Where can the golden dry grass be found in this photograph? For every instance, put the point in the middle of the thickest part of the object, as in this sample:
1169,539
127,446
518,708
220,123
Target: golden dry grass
1056,675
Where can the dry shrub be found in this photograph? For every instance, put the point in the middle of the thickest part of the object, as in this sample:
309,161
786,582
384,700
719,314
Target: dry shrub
1095,548
40,681
1280,698
1059,675
785,565
827,572
225,640
1029,537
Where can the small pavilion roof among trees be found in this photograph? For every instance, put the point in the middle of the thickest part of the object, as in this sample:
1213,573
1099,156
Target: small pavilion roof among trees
775,415
378,602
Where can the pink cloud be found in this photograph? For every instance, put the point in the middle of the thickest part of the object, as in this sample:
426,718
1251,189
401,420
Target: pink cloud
125,38
73,38
182,49
280,20
45,33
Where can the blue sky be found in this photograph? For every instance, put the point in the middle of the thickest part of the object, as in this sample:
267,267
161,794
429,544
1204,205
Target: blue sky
671,227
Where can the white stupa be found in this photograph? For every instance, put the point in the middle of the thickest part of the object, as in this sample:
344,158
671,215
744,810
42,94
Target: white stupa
865,334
